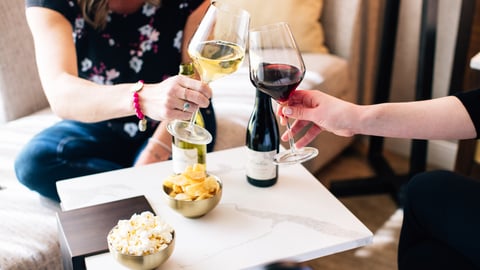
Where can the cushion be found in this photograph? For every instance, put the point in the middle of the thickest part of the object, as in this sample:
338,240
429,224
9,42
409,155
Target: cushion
20,89
302,16
29,235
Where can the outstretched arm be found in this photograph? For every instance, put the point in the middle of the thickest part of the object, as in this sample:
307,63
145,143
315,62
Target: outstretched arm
440,118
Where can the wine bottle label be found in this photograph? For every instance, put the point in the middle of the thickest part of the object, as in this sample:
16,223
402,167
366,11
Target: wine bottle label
182,157
260,166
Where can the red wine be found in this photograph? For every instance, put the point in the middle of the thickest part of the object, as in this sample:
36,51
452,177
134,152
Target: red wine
263,141
277,80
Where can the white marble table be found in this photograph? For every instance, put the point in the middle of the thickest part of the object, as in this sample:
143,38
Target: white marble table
297,219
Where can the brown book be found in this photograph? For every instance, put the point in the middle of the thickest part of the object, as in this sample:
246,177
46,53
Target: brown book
83,232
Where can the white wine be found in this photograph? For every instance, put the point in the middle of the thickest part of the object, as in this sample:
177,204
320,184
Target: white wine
184,153
215,59
263,142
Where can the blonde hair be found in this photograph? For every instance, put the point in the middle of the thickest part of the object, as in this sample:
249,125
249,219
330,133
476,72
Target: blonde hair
95,12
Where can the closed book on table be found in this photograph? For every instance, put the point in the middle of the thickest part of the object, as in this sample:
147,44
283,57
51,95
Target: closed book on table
83,232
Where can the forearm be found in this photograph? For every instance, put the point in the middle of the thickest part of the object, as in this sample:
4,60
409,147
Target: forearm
441,118
69,96
87,101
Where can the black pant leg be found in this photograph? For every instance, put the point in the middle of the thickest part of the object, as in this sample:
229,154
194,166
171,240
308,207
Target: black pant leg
441,227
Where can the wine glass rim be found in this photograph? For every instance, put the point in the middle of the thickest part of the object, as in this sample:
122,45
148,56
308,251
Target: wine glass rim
231,8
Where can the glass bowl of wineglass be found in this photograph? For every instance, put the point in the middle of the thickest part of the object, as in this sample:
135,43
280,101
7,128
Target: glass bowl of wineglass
276,68
217,49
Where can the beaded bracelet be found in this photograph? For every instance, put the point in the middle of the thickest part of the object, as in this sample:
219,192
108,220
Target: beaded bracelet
142,123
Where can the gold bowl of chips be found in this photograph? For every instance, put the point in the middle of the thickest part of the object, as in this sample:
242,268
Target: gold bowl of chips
193,193
141,243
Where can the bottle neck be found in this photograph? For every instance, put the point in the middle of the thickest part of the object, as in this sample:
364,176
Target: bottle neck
186,69
262,99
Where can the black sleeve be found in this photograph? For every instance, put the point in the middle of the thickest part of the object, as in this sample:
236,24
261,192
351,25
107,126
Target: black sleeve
471,101
69,9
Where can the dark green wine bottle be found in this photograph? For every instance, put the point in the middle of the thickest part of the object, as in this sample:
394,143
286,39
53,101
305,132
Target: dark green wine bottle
263,142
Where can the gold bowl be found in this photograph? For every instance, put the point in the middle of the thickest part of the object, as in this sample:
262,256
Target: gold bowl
194,208
143,262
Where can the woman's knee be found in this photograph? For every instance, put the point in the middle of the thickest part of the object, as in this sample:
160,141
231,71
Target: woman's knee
28,166
431,183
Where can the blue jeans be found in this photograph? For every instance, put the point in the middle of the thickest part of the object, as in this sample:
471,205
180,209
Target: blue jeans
71,149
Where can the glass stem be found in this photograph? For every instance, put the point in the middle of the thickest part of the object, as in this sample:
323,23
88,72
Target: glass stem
194,116
291,141
192,120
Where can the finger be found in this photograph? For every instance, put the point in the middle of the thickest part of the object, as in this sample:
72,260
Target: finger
293,112
299,125
194,97
194,85
283,120
181,105
295,128
197,98
179,112
185,90
182,92
309,136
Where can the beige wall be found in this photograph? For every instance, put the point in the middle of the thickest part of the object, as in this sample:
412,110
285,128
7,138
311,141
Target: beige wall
406,57
370,22
441,153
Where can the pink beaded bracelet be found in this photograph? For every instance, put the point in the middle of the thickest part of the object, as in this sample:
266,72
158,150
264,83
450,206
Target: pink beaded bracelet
142,123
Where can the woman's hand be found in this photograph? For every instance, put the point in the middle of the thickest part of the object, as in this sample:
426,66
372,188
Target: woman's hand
174,98
314,111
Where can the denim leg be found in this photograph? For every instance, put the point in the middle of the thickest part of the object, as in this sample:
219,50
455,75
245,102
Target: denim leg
441,223
72,149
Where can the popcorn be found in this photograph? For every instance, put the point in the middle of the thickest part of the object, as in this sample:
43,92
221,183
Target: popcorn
140,235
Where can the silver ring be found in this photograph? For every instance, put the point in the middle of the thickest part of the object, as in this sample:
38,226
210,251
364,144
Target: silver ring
185,93
186,106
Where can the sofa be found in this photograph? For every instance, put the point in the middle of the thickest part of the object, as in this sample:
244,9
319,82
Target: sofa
28,231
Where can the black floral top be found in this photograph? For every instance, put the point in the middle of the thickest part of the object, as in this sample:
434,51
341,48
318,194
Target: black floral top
144,45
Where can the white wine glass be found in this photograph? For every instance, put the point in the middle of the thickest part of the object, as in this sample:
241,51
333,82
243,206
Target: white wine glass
217,49
277,68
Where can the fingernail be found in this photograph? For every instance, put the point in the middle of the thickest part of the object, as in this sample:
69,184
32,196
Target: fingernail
287,111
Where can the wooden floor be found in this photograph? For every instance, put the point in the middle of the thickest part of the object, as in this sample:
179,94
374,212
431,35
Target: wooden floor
378,212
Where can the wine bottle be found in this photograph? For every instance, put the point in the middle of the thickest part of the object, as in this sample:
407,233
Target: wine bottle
185,153
262,141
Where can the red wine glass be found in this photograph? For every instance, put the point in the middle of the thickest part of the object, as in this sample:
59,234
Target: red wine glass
277,68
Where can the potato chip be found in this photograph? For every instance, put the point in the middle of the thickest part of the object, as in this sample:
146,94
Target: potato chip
192,184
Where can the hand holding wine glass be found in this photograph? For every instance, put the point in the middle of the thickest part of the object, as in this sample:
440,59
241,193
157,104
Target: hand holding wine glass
217,49
277,68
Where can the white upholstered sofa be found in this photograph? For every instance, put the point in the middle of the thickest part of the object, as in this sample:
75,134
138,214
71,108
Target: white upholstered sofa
28,230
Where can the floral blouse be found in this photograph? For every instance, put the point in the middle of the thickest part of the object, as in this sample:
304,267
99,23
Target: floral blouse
145,45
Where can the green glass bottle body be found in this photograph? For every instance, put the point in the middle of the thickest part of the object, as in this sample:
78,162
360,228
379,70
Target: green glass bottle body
263,142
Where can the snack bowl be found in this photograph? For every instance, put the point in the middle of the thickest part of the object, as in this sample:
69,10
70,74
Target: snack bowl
194,208
144,261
